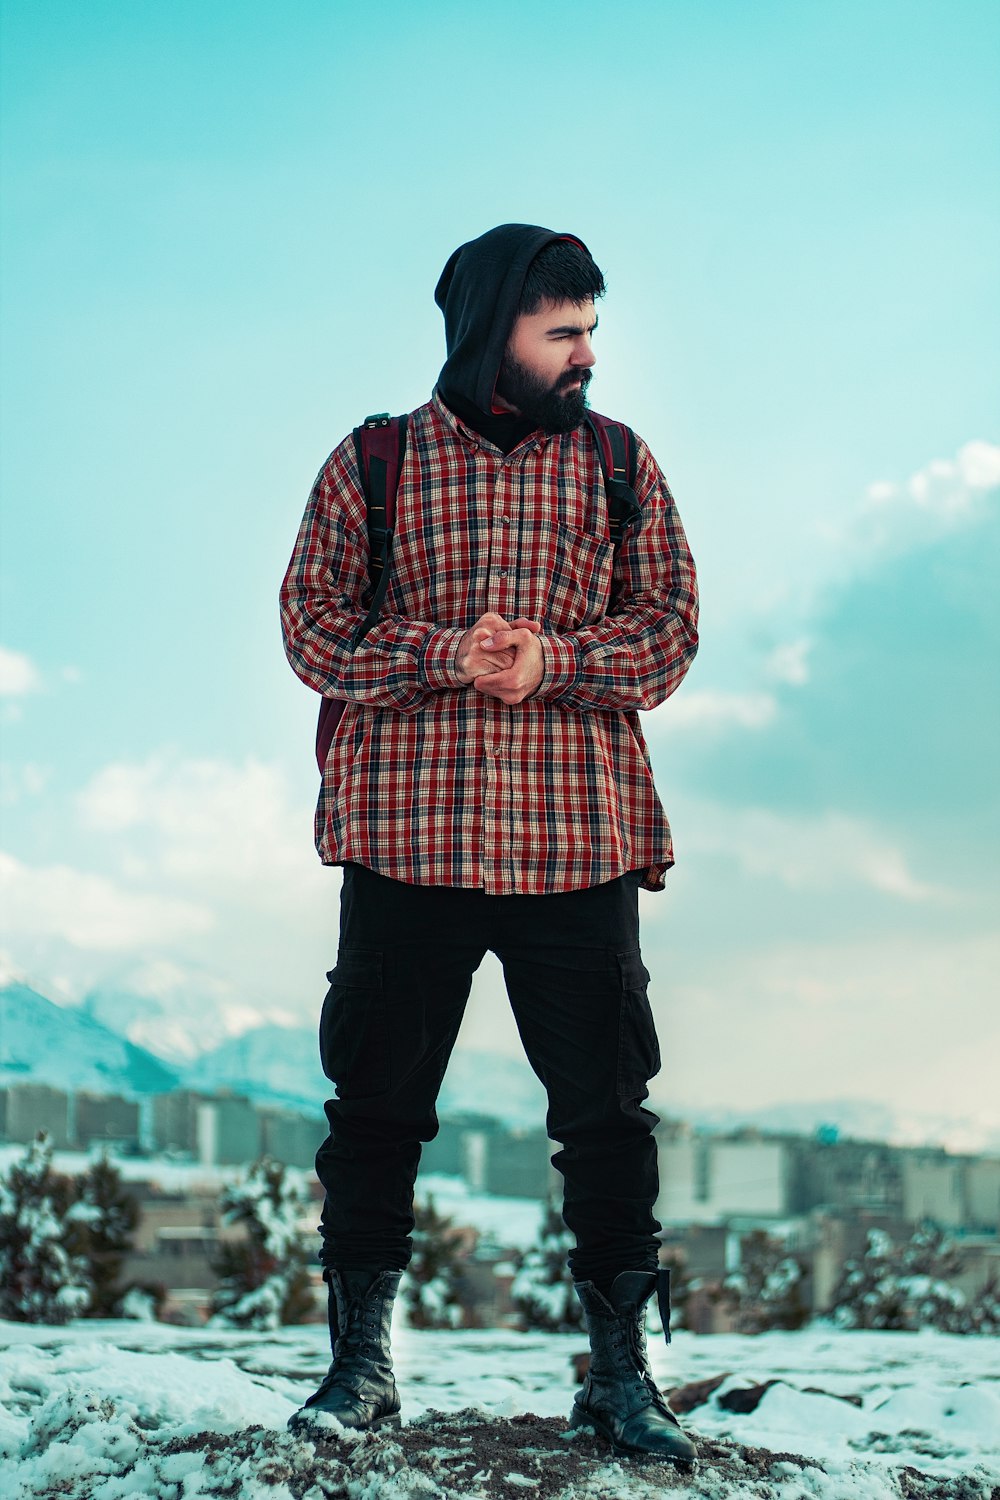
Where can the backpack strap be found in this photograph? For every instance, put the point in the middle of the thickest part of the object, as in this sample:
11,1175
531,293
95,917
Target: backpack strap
618,454
380,446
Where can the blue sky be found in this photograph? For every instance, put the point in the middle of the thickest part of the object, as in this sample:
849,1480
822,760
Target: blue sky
222,230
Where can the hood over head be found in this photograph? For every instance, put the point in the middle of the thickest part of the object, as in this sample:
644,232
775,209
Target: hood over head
479,290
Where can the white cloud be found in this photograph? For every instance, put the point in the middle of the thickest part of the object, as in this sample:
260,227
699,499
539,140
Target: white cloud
205,824
769,613
236,839
201,870
19,782
709,710
18,674
979,465
89,911
825,850
789,663
906,1019
946,495
953,489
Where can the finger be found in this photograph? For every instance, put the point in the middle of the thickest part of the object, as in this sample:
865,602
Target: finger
521,624
492,664
490,622
504,695
511,635
508,680
496,680
519,637
488,688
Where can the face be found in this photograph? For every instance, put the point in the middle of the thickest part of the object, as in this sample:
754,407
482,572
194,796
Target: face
546,368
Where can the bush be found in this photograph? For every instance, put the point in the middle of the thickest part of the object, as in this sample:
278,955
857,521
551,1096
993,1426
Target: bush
542,1291
42,1280
910,1286
767,1288
432,1286
100,1224
263,1281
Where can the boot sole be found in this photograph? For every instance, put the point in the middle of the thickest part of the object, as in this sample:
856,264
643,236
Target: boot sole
584,1422
302,1422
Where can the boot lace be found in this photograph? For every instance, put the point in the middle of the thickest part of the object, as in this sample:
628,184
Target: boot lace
628,1338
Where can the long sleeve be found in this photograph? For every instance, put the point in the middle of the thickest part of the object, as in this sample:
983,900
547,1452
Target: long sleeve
639,653
433,783
400,662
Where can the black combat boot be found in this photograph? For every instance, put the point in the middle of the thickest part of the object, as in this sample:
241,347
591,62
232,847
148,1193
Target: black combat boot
619,1397
359,1389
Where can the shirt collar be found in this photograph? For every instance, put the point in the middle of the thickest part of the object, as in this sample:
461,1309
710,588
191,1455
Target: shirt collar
534,442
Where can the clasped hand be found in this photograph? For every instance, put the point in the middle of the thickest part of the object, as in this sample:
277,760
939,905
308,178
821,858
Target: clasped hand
500,659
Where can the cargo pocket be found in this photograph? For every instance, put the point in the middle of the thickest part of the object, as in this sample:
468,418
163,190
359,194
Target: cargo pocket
638,1049
354,1026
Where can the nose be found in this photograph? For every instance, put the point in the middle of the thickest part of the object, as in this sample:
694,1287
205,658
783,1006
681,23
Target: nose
583,356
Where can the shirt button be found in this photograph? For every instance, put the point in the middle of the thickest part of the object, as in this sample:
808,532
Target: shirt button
505,520
502,573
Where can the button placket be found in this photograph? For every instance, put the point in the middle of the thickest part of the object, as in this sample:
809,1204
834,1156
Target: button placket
501,537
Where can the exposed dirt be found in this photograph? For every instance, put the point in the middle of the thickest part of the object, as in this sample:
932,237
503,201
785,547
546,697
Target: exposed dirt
468,1454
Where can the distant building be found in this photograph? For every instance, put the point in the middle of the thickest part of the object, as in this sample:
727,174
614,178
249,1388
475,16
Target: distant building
175,1122
511,1164
446,1153
106,1119
747,1178
683,1168
982,1195
708,1179
28,1108
854,1176
933,1190
291,1138
228,1131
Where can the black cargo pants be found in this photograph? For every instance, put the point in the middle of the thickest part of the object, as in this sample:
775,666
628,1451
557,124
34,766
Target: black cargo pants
577,987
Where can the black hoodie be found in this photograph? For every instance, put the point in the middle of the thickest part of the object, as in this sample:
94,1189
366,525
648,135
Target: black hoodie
479,291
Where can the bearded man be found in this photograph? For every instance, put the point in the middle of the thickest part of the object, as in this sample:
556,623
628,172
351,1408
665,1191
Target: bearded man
488,788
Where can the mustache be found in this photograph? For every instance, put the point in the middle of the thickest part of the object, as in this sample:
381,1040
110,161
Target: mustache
572,376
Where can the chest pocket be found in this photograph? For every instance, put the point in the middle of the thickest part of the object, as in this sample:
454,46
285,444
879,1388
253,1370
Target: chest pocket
572,575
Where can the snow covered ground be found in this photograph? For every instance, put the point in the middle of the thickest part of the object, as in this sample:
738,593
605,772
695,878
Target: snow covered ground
106,1411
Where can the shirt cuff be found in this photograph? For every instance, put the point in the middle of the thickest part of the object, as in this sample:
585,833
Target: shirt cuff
560,667
437,667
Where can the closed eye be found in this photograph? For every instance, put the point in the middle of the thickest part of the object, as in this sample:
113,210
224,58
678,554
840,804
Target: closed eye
571,330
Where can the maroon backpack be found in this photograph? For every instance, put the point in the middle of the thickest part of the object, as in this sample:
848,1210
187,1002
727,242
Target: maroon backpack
380,445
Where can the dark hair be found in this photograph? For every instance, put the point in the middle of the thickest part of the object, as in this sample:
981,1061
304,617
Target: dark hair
562,272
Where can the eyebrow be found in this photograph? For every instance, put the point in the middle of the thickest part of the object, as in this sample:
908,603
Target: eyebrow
574,328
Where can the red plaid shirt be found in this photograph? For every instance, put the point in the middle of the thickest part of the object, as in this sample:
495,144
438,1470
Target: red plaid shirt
432,782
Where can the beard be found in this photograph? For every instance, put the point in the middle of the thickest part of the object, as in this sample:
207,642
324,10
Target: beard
553,407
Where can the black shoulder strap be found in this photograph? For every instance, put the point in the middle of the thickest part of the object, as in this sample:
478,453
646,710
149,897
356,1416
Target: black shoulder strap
618,454
380,445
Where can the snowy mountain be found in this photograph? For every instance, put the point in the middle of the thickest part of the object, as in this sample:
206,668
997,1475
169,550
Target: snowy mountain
194,1046
70,1048
60,1045
175,1013
856,1119
487,1084
271,1064
280,1064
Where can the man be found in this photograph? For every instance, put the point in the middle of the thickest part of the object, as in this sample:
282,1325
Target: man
488,788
